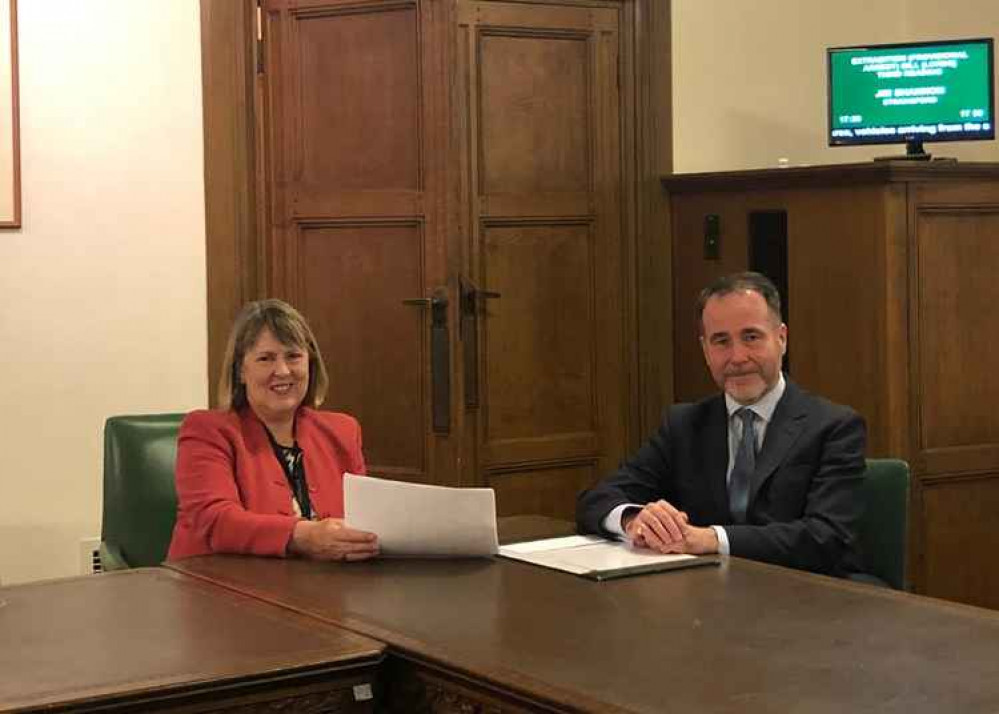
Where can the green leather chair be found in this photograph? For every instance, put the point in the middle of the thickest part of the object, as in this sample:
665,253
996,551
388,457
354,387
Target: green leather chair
884,527
140,499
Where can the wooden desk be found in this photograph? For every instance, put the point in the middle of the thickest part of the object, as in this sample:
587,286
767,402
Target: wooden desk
153,640
495,635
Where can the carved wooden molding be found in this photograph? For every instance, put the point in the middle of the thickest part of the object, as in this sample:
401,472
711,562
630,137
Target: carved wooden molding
416,695
332,702
412,689
938,480
360,8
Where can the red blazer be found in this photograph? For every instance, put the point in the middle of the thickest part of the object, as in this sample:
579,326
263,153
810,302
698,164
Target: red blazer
232,493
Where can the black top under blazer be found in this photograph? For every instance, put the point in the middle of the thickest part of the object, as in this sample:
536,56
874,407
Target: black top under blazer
804,500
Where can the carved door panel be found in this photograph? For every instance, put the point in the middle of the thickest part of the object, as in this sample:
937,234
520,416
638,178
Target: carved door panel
538,94
354,145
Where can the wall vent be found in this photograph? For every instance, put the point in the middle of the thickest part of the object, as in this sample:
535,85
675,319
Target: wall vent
90,556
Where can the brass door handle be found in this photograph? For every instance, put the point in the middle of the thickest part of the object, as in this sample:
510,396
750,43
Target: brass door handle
471,300
440,358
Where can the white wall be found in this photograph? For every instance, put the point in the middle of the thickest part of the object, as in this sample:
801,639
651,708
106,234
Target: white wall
102,293
749,75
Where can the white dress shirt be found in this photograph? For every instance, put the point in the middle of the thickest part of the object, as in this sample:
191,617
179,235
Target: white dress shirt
763,411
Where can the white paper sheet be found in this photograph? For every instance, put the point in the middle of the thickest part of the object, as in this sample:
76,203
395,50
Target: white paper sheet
540,546
419,520
584,555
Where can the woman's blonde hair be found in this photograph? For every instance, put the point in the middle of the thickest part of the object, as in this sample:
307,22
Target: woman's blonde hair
290,329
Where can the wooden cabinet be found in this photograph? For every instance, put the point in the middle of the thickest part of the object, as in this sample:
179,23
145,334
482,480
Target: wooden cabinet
449,190
890,273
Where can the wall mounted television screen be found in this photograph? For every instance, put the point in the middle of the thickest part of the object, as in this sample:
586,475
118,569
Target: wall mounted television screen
910,93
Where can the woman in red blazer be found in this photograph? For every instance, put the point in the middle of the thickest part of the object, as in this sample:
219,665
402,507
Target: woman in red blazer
263,474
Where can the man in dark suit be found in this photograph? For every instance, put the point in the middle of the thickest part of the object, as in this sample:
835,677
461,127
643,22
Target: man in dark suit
764,471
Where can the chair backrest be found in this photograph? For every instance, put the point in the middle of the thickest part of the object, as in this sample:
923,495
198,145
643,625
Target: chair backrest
884,527
140,498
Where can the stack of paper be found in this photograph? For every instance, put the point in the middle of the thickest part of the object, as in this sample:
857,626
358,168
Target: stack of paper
418,520
599,559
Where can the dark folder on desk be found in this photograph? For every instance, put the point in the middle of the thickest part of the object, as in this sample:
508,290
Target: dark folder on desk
599,559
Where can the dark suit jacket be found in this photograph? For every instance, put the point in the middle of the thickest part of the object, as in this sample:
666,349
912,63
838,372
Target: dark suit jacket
233,496
804,501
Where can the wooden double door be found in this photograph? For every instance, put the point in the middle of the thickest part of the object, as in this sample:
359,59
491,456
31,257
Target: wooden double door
440,190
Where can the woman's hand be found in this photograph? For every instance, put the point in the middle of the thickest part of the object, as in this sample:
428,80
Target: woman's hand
330,539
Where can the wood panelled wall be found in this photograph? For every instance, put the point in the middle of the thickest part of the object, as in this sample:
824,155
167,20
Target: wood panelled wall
955,241
463,198
890,292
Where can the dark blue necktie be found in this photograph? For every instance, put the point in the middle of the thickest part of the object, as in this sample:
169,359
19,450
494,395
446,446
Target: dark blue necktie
742,469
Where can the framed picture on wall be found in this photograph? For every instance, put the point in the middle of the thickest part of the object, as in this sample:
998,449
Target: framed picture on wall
10,154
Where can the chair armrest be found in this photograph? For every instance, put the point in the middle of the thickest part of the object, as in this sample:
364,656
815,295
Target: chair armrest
111,558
